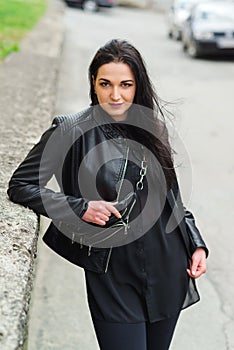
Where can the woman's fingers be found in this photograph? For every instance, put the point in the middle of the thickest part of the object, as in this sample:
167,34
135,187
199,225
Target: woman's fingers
197,273
198,263
112,209
100,221
108,208
99,212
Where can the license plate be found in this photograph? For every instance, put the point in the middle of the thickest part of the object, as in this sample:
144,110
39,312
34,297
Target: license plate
226,44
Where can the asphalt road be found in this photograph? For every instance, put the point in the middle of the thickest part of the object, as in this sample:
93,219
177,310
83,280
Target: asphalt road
201,92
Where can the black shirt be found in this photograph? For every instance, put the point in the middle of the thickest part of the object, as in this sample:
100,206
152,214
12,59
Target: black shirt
147,278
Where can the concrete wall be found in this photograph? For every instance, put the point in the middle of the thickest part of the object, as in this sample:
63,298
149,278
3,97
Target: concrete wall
27,93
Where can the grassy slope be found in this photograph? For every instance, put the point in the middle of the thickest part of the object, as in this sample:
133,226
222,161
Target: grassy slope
17,17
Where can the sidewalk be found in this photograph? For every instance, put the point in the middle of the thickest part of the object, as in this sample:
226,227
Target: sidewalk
27,95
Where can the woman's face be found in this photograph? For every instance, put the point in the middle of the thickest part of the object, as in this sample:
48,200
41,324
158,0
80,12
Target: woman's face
115,88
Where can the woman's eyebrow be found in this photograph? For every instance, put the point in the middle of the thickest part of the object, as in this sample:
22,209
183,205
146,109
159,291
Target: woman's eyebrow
127,80
123,81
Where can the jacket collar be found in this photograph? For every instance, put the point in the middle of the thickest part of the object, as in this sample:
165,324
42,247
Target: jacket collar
107,124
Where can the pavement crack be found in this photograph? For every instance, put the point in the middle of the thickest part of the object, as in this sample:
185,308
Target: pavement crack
229,345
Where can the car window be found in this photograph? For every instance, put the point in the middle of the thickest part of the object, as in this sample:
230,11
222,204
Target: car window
219,13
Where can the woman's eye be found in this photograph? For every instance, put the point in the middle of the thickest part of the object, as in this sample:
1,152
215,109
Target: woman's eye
104,84
126,84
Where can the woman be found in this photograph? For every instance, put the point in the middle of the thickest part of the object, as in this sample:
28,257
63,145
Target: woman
119,214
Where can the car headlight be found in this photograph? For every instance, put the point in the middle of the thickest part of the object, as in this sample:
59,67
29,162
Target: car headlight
202,35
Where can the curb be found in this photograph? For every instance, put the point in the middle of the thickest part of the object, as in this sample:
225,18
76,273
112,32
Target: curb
27,97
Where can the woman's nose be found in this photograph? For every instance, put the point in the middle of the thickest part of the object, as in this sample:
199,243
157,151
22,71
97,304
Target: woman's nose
115,94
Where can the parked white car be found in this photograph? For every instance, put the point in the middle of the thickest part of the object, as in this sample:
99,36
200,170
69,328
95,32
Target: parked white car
178,13
209,29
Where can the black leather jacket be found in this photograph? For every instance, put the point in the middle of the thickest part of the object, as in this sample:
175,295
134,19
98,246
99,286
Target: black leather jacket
69,141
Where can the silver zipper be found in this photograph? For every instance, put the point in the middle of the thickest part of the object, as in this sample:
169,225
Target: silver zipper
119,225
108,259
123,174
89,251
127,226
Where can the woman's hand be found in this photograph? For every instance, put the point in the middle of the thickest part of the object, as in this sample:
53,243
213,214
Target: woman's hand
99,212
198,263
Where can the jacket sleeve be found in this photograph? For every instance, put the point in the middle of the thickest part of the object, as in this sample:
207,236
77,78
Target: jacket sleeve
194,236
193,232
27,184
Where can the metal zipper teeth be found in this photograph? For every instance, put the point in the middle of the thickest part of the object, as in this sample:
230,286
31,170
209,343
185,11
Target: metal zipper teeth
121,183
108,259
130,209
121,223
127,225
123,174
103,231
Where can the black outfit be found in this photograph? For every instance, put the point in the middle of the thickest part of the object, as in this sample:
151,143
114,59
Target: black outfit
146,279
142,281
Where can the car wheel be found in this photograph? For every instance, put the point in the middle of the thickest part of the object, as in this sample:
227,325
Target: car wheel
192,49
90,6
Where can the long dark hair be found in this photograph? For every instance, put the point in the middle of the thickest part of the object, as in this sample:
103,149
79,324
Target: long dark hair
117,50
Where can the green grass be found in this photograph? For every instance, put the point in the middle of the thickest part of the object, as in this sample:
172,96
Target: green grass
17,17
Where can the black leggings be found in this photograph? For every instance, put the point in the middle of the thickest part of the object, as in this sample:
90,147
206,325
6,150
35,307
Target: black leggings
135,336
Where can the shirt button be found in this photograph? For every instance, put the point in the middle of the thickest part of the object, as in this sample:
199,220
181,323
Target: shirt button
143,269
141,250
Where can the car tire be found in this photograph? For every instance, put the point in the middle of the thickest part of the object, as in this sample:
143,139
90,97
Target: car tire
90,6
192,50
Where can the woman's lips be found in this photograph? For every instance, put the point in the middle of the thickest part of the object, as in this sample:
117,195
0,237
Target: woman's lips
116,105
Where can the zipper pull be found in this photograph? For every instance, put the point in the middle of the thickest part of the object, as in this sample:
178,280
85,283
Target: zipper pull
89,252
108,259
126,225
